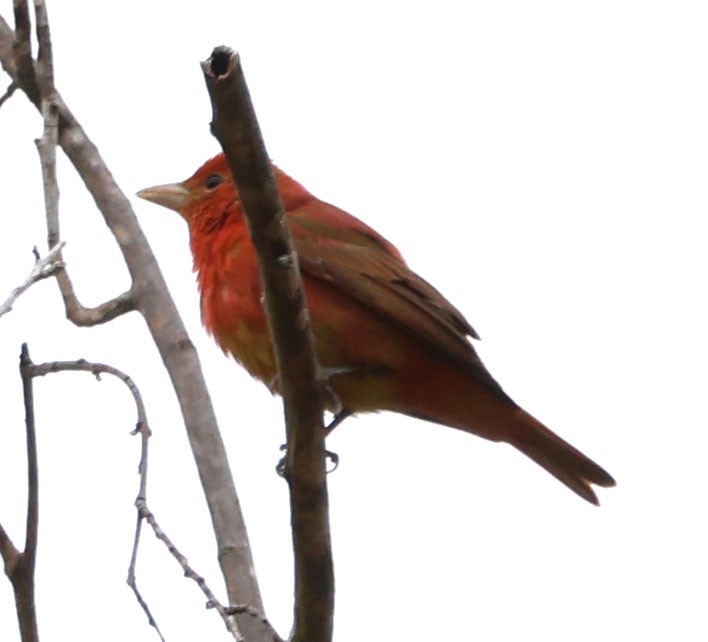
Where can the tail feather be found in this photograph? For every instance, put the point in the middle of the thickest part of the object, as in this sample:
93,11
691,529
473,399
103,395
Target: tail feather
559,458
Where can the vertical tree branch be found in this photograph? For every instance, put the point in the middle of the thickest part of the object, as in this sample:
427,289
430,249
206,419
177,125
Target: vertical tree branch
31,531
22,51
20,566
235,125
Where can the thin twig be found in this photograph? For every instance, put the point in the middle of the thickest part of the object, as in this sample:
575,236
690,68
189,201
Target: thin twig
142,428
47,146
132,582
235,126
42,269
144,431
212,602
8,92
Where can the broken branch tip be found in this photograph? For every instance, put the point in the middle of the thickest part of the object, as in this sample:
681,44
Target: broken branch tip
221,63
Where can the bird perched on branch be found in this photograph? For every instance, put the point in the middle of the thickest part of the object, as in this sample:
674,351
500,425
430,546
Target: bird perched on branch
389,339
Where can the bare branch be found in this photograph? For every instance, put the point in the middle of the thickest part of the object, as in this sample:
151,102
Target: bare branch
8,551
148,294
47,146
45,57
7,52
212,602
235,126
8,93
31,370
96,369
23,29
131,579
19,566
43,268
49,102
86,317
22,51
177,351
30,552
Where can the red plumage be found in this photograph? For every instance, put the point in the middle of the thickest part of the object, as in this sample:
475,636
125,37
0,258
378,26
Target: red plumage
392,340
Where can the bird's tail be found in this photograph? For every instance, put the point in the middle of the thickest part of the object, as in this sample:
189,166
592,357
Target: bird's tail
558,457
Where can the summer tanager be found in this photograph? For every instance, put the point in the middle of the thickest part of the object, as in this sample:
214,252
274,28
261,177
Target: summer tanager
389,339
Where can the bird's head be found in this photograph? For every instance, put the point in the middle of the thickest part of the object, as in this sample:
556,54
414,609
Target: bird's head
205,199
208,193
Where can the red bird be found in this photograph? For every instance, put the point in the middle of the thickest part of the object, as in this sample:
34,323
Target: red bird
391,339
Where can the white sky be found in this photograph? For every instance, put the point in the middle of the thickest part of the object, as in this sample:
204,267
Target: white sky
544,164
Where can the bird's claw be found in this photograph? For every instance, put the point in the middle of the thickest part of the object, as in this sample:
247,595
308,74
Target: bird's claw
333,457
280,467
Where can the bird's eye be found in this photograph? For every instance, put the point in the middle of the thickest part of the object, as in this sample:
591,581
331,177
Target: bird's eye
214,180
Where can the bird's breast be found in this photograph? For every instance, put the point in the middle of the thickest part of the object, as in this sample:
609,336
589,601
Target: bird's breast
232,309
238,324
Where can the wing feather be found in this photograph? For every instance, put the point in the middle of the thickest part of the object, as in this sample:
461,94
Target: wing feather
366,267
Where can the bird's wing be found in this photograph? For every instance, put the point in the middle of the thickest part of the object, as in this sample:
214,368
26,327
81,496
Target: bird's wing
362,264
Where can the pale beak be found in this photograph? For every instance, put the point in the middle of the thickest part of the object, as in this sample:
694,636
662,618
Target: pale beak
174,196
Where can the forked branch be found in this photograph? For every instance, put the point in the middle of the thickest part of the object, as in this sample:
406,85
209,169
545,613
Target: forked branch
20,565
43,268
148,294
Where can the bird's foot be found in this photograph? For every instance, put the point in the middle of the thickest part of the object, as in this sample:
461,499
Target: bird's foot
332,457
